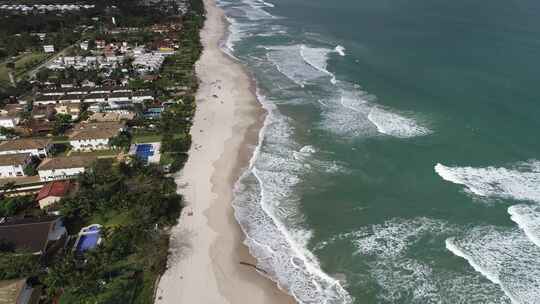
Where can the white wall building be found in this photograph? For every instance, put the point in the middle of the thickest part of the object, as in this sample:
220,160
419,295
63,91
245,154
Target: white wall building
13,165
9,122
39,147
94,136
48,48
59,168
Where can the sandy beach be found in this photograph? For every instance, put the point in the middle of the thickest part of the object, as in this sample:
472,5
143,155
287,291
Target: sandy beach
206,246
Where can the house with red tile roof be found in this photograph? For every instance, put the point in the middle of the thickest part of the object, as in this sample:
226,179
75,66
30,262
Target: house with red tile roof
53,192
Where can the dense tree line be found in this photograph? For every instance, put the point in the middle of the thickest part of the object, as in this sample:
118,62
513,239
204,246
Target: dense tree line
134,251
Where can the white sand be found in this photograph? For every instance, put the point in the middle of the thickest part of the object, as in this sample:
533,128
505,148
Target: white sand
206,247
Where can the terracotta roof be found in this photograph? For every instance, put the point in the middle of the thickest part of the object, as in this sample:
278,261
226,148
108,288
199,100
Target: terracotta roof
27,234
56,188
102,130
66,162
24,143
13,159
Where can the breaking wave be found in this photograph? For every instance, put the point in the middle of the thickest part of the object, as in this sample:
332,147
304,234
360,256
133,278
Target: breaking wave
266,207
528,219
505,257
395,125
519,182
388,251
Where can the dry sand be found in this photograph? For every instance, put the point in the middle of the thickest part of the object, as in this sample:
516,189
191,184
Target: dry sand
206,247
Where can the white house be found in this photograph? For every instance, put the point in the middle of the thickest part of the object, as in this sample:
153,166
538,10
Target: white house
48,48
13,165
94,136
9,122
141,96
46,99
67,167
39,147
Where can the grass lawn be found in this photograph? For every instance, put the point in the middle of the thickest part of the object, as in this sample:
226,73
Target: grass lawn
98,153
111,219
146,138
23,63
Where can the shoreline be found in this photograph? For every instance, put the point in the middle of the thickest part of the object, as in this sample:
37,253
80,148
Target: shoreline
208,262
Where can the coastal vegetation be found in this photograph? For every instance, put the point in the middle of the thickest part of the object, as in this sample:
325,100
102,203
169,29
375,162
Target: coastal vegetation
135,203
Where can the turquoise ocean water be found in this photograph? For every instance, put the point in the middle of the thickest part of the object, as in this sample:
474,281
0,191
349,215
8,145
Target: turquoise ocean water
400,161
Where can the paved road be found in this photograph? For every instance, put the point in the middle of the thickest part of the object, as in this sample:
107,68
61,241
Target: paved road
34,71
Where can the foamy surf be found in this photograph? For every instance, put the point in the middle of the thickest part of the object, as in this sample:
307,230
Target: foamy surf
340,50
388,251
505,257
396,125
528,219
265,206
519,182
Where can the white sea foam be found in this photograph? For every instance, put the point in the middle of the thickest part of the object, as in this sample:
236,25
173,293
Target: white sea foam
353,113
505,257
266,207
395,125
519,182
300,63
528,219
340,50
236,32
388,251
268,4
317,58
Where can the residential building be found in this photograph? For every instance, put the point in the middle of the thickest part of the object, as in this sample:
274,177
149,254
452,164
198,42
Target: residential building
46,99
40,236
69,108
39,147
53,192
111,116
9,122
43,112
19,291
94,136
48,48
13,165
61,168
141,96
12,109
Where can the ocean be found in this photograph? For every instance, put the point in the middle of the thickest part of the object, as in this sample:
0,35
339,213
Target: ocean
400,160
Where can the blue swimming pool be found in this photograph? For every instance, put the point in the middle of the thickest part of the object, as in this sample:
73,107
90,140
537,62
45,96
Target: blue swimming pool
144,151
88,241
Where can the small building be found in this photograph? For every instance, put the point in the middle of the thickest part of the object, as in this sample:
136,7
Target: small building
40,236
9,122
48,48
66,167
12,109
43,112
69,108
94,136
39,147
111,116
13,165
51,98
19,291
53,192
